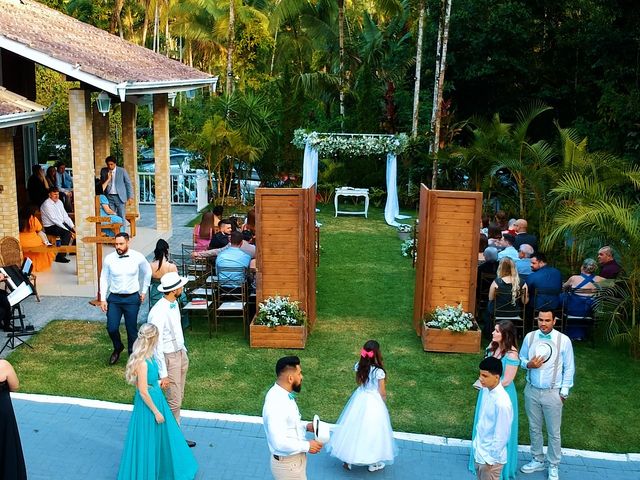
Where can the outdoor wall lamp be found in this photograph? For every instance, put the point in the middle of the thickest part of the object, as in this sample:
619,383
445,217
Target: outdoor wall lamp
171,96
104,103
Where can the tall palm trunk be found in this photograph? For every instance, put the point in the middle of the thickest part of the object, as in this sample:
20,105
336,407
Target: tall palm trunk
441,64
341,72
416,86
156,27
145,23
116,20
231,33
167,34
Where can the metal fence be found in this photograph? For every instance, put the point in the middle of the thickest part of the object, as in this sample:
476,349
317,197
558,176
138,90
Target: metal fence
183,188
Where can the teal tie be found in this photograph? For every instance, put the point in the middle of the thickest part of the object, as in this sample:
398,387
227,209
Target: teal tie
544,335
173,305
292,395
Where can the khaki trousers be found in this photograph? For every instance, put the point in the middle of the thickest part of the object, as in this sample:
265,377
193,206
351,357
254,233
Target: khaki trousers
177,366
293,467
488,472
544,405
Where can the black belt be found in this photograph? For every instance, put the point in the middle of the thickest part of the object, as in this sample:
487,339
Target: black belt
277,457
124,294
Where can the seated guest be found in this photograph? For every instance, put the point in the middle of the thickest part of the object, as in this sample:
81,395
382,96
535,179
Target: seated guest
545,283
232,257
52,181
32,235
37,186
490,264
221,238
250,222
508,251
484,226
64,182
203,232
494,236
56,221
523,263
5,307
508,293
246,247
578,298
217,216
484,243
106,210
609,268
522,236
501,220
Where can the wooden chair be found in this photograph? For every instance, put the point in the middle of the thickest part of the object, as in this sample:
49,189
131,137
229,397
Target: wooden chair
101,227
11,255
200,296
232,298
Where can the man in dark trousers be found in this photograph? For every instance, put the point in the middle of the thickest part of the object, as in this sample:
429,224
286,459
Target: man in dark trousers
118,188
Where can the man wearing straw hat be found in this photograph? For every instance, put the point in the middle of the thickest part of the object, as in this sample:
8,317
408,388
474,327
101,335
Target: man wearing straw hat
171,353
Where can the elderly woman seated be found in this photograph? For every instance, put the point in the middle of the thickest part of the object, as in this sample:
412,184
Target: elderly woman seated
578,298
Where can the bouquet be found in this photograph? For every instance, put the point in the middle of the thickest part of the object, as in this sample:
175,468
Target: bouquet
404,228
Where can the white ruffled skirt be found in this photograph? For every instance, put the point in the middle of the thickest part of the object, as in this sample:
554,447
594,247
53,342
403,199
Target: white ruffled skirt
363,434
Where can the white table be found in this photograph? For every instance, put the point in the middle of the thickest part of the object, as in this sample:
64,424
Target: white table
352,192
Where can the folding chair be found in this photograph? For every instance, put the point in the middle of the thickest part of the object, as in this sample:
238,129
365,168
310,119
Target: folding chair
200,296
232,297
503,309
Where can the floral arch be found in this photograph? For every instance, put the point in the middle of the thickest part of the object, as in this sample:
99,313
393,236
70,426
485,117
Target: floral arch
331,144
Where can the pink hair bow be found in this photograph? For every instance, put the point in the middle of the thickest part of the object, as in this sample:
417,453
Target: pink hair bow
364,353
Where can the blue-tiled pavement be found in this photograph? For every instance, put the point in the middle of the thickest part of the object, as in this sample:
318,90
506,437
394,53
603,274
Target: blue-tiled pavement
72,439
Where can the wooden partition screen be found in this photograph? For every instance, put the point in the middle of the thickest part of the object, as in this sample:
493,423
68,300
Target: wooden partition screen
285,237
447,263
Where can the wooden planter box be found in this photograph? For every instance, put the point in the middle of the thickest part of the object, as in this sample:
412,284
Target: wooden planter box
437,340
261,336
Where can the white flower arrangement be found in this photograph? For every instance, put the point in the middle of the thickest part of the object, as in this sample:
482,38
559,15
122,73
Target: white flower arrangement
279,311
407,248
329,145
451,318
405,228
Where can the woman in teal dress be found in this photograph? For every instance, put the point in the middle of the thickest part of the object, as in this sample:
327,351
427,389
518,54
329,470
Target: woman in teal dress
505,347
154,447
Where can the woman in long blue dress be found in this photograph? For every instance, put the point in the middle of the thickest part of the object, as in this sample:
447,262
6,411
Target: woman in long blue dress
154,447
505,347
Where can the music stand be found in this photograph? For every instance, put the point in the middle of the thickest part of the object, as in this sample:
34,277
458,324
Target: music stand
18,294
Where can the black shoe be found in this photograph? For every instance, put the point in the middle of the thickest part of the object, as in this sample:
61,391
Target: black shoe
191,443
62,260
115,356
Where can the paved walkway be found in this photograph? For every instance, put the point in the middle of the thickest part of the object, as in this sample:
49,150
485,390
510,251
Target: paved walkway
79,439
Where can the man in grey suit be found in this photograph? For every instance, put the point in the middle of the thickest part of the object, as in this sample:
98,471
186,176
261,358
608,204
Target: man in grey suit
118,188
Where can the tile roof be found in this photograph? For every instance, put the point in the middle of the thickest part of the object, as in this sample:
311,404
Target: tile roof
17,110
35,31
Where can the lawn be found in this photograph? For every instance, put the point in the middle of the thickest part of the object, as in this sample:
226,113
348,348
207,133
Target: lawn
365,290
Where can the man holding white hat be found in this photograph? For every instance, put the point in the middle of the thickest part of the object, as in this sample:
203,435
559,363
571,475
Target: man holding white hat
171,353
547,355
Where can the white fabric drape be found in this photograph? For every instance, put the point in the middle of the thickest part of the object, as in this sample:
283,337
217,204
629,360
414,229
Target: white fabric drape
310,166
392,208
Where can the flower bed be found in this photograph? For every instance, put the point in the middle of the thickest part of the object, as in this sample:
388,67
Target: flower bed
450,329
279,323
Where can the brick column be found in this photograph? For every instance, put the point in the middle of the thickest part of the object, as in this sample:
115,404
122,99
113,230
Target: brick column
101,139
83,182
161,153
129,150
9,194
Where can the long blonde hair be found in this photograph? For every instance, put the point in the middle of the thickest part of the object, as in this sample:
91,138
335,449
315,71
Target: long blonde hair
142,349
507,268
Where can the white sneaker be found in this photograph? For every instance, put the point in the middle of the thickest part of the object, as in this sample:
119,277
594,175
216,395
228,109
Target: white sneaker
376,466
533,466
553,472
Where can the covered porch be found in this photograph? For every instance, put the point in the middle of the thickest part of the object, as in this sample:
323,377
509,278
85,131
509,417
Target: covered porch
105,68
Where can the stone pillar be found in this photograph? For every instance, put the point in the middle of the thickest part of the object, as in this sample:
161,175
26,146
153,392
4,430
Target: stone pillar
83,182
101,139
9,194
161,153
130,151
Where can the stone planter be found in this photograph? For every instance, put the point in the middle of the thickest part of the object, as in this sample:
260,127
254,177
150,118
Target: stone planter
261,336
404,235
437,340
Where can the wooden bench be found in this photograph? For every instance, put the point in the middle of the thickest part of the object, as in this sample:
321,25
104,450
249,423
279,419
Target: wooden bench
131,218
51,249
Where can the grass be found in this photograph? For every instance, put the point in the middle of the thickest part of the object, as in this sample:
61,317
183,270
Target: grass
365,290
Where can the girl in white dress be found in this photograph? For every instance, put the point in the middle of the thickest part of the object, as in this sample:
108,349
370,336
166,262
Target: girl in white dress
363,434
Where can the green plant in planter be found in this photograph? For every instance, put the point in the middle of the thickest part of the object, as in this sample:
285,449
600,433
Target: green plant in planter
279,311
451,318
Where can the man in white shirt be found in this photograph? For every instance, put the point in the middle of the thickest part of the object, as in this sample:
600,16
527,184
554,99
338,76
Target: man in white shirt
494,423
56,221
547,355
120,277
283,426
171,352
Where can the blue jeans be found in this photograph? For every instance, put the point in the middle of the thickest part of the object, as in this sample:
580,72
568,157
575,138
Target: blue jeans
117,306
